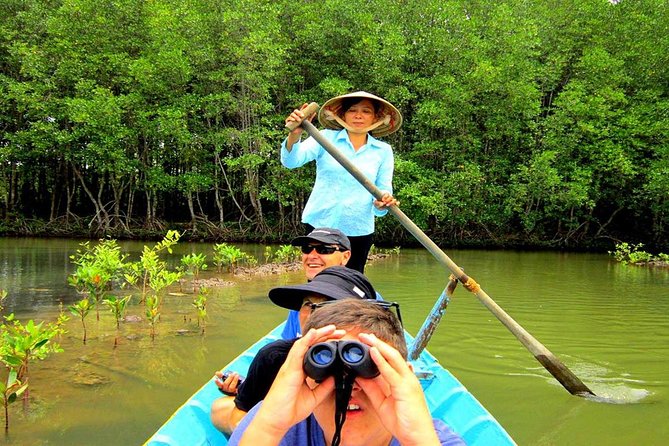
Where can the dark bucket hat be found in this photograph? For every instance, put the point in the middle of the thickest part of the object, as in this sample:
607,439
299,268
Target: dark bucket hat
333,283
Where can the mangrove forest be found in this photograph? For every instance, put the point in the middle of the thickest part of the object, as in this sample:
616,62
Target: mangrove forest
535,124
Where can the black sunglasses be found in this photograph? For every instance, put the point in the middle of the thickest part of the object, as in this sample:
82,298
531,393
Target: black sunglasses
381,303
320,249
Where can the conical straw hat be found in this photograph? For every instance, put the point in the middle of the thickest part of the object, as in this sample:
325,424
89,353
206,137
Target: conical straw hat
333,106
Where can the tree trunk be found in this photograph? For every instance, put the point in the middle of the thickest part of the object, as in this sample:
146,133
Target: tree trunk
105,214
191,209
199,206
12,190
232,191
52,210
70,191
100,213
217,195
150,209
118,189
131,201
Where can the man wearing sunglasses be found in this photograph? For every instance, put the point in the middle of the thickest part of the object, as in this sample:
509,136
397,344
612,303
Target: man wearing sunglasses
333,283
321,248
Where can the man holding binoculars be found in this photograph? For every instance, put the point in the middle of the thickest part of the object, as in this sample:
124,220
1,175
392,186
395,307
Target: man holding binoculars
333,283
379,410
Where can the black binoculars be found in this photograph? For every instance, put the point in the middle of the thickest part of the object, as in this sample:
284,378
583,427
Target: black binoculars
334,357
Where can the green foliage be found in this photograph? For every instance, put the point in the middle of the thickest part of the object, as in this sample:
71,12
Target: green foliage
117,307
268,253
200,304
19,345
544,121
539,194
100,266
12,387
3,296
250,261
162,279
629,253
153,313
10,390
23,343
81,310
388,251
283,254
150,272
419,193
193,264
231,256
97,267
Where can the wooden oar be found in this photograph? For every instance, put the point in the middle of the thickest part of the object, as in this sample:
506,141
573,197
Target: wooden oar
556,368
432,320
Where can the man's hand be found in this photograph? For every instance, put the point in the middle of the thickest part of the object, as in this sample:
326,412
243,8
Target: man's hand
227,384
397,396
291,399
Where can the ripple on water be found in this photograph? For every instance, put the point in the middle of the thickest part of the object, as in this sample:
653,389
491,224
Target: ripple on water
608,386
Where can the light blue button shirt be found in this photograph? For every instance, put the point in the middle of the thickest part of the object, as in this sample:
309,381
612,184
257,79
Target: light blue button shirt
337,199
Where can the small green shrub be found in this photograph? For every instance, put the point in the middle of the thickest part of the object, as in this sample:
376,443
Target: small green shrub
628,253
231,256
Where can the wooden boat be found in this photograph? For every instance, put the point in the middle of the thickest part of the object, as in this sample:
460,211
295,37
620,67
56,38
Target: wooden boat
447,399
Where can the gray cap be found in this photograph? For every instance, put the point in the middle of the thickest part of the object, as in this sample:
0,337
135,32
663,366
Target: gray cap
329,236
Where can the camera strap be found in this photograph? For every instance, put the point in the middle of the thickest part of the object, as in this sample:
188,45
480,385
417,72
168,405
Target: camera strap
343,390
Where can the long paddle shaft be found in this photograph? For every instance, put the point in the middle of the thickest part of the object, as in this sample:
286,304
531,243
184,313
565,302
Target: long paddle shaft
556,368
432,320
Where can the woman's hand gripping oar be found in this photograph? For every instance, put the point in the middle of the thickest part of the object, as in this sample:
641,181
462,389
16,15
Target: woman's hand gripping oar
556,368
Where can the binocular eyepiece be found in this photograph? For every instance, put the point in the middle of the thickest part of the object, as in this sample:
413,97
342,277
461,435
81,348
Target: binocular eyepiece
330,358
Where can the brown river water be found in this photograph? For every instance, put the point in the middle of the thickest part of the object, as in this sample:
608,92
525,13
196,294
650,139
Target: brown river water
609,323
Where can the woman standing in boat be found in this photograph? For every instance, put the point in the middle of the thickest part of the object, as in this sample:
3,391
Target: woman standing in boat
352,122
